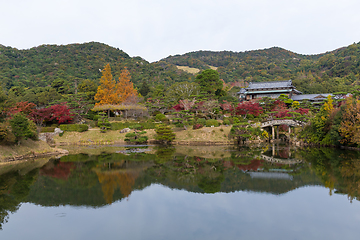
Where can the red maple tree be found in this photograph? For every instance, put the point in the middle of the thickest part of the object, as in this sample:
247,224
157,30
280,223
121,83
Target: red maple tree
249,108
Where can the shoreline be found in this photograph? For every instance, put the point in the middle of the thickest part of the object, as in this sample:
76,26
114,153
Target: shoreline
151,141
27,150
33,155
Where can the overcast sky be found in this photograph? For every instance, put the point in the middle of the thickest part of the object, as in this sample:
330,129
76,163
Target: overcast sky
155,29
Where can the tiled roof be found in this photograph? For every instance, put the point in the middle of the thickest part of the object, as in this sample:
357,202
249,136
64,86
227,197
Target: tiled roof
310,97
242,91
270,85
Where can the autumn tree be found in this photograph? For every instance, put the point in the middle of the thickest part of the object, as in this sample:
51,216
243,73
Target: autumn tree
124,88
111,93
106,92
350,125
249,108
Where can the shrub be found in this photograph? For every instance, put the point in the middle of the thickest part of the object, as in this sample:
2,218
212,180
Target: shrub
265,135
226,121
136,126
103,122
201,121
74,127
190,121
250,116
47,129
148,125
122,125
197,126
180,125
212,122
6,136
156,113
160,117
22,127
136,137
235,120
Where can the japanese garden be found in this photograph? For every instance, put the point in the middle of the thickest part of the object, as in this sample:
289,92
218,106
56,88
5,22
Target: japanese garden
87,128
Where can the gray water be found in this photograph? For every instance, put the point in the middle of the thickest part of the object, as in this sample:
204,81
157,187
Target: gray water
178,194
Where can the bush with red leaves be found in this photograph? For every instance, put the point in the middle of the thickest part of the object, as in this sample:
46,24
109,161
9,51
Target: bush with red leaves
197,126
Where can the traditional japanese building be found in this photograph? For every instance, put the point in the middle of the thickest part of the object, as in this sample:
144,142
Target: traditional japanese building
313,98
268,89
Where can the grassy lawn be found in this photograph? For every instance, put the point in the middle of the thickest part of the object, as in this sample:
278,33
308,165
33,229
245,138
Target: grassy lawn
189,69
204,134
94,136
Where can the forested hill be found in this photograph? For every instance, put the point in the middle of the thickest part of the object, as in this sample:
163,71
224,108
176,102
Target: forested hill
40,66
334,71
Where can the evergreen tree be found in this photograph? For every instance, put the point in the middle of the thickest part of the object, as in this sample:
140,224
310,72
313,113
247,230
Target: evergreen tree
144,89
164,134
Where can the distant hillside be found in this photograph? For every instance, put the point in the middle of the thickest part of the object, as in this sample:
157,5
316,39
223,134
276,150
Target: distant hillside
332,71
335,71
40,66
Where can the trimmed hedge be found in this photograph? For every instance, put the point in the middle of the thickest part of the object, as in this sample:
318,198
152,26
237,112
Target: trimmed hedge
74,127
201,121
47,129
212,122
132,125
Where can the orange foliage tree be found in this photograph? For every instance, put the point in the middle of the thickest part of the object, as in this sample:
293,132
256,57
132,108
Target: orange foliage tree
106,92
111,93
124,88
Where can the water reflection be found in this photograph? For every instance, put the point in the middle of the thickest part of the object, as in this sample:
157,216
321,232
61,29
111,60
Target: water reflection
99,180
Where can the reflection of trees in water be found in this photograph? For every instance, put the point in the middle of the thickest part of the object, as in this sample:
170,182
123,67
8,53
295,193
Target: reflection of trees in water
14,188
253,165
284,153
350,171
337,169
98,180
118,175
60,170
112,180
164,154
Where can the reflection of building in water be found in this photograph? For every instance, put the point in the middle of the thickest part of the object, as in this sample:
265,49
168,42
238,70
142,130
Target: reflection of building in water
270,175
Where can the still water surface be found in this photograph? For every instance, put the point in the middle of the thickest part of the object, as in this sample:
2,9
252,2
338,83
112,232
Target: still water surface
185,193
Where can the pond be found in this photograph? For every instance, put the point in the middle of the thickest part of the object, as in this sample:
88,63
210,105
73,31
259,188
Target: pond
118,192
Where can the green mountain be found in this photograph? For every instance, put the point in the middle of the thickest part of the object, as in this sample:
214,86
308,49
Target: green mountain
40,66
335,71
338,70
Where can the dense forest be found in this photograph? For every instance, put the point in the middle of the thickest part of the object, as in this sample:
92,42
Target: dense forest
41,66
335,71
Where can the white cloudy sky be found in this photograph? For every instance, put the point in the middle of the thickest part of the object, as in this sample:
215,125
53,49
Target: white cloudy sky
154,29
